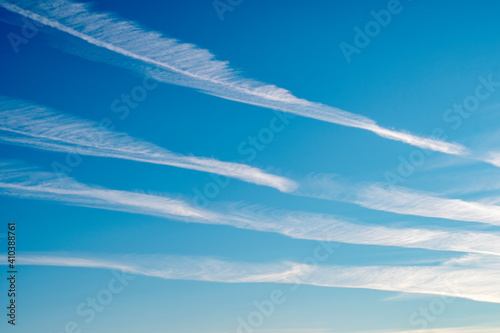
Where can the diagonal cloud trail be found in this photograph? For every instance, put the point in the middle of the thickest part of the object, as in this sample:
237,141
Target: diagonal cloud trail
187,65
472,277
399,200
27,183
24,124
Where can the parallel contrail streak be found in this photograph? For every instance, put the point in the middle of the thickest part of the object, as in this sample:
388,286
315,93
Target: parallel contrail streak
186,65
22,183
453,278
38,127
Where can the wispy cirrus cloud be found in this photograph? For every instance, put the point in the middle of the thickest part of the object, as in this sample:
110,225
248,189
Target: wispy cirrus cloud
32,184
472,277
187,65
399,200
25,124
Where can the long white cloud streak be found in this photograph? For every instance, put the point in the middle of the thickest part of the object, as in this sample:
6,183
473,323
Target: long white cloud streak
187,65
42,128
26,183
473,277
399,200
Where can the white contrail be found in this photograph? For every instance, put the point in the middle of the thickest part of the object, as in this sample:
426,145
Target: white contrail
39,127
27,183
472,277
399,200
186,65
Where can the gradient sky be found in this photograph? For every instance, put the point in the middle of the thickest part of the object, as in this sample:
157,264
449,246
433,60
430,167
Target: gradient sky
428,58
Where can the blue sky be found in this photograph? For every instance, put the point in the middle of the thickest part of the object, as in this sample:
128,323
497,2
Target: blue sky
365,195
